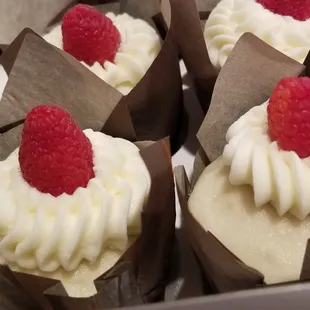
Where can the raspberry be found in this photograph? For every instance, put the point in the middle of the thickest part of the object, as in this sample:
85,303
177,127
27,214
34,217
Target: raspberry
89,36
298,9
288,114
55,156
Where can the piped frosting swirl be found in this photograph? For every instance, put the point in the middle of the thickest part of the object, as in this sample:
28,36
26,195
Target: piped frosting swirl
276,176
230,19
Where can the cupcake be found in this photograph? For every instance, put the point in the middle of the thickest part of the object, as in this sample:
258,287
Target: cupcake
118,195
117,48
71,201
254,198
246,210
284,25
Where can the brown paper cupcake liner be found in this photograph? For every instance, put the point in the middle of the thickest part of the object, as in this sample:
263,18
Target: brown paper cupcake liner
155,104
12,295
246,80
41,74
187,21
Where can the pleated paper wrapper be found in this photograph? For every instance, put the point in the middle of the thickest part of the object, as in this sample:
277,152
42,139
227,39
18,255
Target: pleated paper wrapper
187,22
246,80
38,74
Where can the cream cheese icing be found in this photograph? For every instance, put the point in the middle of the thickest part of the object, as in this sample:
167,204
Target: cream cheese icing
278,177
232,18
140,45
39,232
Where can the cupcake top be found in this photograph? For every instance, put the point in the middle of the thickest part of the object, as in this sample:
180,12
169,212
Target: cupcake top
284,25
67,194
269,149
117,48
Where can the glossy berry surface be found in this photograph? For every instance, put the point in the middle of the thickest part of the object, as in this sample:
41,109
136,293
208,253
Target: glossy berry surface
298,9
89,36
288,114
55,156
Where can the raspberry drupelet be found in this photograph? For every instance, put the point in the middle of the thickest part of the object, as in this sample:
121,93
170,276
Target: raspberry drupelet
288,114
55,156
89,36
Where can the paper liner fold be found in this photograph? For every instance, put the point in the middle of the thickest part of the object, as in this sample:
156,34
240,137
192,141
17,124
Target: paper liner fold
155,104
120,115
12,50
2,48
187,31
53,78
201,161
12,295
36,14
158,221
305,270
246,80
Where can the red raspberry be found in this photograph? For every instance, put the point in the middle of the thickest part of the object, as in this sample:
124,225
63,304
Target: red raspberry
298,9
288,115
55,156
89,36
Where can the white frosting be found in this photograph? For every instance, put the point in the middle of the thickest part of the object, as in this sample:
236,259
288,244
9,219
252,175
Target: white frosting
277,177
259,237
45,233
232,18
140,45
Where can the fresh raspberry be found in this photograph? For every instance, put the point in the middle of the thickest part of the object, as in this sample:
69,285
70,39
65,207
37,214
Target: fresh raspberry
288,115
89,36
55,156
298,9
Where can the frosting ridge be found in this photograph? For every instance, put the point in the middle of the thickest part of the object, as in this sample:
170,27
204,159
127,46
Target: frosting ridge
276,176
230,19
